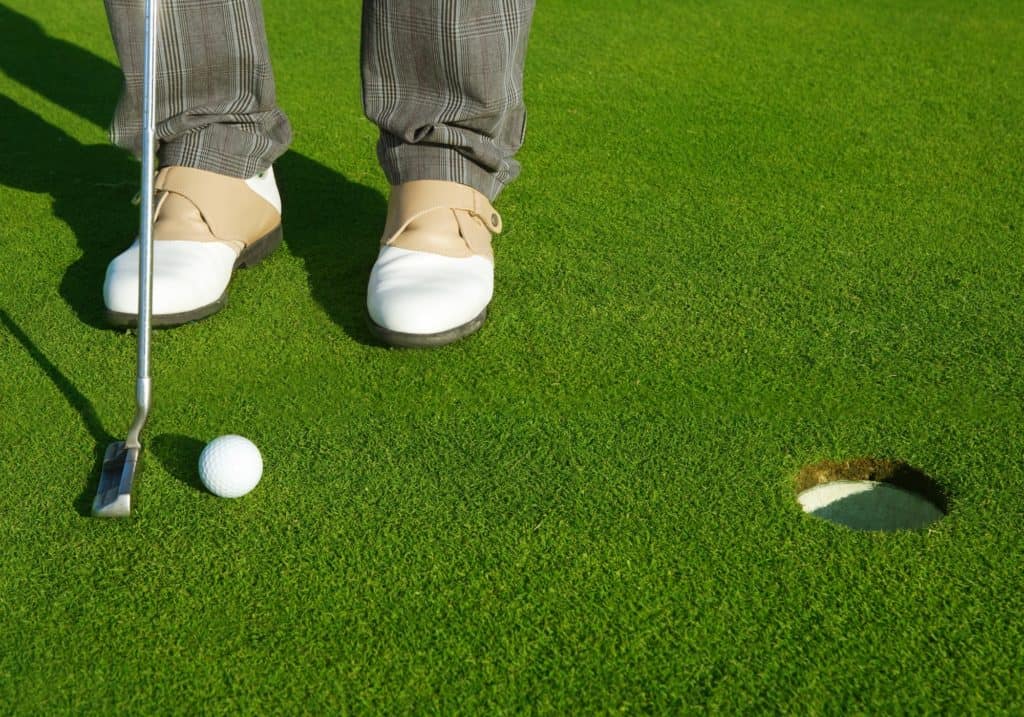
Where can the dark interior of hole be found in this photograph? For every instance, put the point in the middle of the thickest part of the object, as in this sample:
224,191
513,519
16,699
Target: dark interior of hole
910,478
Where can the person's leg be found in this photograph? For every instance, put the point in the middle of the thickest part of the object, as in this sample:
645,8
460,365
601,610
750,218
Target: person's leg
216,103
219,130
443,80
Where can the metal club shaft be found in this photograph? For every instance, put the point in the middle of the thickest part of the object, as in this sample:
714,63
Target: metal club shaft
114,494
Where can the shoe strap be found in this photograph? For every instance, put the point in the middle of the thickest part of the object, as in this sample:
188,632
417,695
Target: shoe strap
411,200
230,208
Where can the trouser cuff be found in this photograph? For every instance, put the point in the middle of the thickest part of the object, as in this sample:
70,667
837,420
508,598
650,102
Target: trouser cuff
403,162
226,149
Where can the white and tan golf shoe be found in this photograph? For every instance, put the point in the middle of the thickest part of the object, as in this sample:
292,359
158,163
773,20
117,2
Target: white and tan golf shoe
434,275
206,226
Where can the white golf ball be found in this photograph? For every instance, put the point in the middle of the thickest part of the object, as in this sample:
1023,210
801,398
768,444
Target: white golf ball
230,466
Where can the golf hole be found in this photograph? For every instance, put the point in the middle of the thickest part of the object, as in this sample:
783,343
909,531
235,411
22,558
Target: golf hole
871,494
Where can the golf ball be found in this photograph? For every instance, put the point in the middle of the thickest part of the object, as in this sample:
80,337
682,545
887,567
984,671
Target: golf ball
230,466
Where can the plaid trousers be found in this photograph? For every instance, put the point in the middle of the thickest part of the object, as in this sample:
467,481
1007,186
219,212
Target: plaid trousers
442,80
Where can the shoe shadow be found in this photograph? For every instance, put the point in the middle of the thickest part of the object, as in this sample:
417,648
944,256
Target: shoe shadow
331,223
82,504
91,187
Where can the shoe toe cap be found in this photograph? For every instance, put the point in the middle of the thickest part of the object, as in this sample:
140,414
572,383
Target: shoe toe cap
186,277
421,293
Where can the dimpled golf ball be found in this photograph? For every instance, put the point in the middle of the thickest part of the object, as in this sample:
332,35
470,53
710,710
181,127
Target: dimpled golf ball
230,466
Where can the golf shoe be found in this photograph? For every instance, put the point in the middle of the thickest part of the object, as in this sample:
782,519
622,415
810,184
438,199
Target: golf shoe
206,225
434,275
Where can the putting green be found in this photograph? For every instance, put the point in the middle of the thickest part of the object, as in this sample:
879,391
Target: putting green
749,236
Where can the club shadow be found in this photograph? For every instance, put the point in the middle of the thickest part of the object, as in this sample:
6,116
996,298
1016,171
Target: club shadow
81,404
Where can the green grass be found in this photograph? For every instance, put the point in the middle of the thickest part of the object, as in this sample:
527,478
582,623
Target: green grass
749,235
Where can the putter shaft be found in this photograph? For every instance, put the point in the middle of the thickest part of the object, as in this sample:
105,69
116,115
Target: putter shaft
114,494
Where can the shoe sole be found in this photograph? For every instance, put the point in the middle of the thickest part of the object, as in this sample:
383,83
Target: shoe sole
424,341
252,255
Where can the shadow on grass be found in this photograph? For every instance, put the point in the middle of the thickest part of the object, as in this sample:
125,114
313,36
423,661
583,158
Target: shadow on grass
178,454
332,224
83,504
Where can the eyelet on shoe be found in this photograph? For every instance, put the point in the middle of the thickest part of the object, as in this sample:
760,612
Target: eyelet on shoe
494,220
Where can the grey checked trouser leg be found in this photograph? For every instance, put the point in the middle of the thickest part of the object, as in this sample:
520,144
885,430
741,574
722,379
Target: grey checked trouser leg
216,104
442,79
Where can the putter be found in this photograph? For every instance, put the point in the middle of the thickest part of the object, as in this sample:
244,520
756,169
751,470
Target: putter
114,496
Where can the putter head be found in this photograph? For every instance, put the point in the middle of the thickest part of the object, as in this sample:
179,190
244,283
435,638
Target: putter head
114,493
